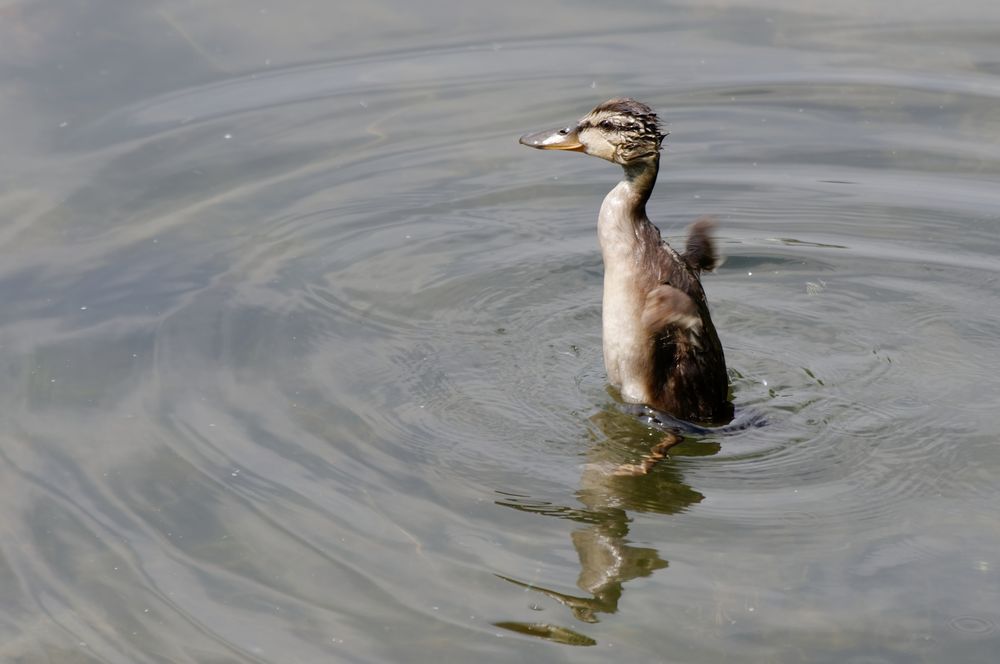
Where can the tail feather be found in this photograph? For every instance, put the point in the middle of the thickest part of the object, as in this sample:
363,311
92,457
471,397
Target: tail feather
700,253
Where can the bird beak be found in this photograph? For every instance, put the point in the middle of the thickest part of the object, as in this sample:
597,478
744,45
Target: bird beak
554,139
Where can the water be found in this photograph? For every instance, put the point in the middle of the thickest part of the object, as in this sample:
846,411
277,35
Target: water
301,351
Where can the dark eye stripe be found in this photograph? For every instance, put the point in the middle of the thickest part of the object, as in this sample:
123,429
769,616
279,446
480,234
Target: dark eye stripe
642,126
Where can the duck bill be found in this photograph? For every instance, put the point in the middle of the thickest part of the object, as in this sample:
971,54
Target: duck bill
554,139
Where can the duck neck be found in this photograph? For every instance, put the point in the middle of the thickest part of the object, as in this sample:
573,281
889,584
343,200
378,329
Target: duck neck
623,213
640,178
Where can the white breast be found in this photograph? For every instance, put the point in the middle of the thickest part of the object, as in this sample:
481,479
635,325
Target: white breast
626,344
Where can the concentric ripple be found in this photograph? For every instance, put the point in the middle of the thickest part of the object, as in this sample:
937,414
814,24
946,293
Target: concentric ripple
303,361
974,626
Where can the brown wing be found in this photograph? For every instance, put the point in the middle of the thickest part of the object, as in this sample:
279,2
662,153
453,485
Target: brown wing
689,368
667,308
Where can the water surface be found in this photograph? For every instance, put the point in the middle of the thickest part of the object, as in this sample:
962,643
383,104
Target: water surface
301,351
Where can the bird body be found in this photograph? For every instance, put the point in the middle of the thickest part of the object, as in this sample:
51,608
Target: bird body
660,346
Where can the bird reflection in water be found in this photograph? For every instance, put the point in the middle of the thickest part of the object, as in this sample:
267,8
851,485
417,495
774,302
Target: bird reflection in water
612,485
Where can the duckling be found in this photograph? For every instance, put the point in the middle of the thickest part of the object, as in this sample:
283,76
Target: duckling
660,346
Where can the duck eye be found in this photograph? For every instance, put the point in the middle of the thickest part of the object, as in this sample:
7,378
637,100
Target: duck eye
606,124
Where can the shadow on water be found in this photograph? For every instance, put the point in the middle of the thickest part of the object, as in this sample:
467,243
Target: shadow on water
606,498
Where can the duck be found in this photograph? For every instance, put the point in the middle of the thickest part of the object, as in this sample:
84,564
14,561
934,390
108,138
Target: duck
660,346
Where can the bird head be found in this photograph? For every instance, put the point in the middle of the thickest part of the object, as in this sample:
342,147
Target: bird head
621,130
